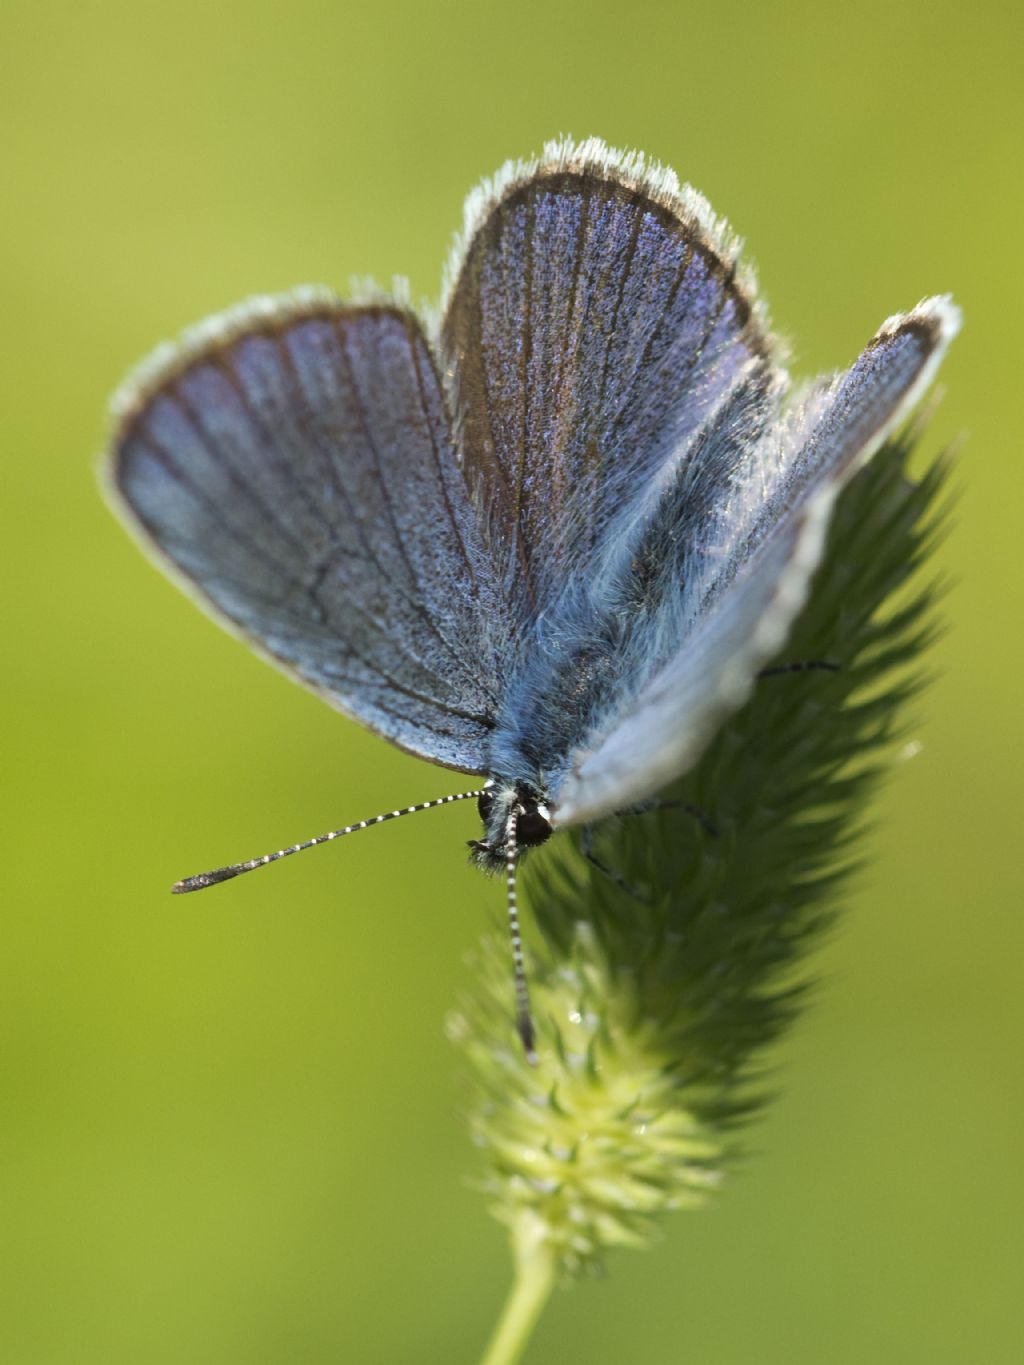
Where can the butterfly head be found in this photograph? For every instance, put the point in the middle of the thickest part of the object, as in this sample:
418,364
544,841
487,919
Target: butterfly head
500,802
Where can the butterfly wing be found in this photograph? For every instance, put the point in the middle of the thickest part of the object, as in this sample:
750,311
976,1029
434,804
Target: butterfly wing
593,321
748,575
292,464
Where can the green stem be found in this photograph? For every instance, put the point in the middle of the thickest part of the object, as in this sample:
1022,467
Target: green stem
531,1288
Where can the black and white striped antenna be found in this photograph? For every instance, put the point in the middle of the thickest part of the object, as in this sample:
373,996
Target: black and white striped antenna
202,880
524,1019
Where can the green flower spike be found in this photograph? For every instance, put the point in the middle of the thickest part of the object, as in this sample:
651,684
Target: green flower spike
652,997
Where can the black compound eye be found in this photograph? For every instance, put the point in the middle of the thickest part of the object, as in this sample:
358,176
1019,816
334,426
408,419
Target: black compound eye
532,828
485,804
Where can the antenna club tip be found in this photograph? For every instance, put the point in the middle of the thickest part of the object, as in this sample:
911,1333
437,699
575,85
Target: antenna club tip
202,880
524,1027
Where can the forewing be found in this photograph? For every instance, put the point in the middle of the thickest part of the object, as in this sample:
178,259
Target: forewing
594,321
292,463
750,581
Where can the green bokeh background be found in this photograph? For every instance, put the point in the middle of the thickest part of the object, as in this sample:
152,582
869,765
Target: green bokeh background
228,1123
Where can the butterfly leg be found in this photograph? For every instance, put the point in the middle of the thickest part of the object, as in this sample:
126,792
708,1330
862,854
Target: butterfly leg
807,666
642,808
612,873
656,803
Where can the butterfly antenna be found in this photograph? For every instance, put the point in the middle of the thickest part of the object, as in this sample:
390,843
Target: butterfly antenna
222,874
524,1020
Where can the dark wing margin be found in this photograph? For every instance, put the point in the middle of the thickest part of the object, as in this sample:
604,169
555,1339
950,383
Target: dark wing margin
292,464
594,319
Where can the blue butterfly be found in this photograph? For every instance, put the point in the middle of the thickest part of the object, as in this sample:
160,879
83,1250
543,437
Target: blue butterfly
549,535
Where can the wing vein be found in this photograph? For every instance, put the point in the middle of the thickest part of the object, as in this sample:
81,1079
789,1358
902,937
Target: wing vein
494,464
225,362
313,432
163,455
309,426
439,467
170,464
568,352
653,339
626,271
416,597
219,456
525,354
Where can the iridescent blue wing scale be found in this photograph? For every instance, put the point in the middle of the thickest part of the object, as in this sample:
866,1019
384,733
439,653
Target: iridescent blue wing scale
744,570
560,552
593,322
292,464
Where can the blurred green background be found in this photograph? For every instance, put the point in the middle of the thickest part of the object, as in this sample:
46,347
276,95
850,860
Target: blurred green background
228,1123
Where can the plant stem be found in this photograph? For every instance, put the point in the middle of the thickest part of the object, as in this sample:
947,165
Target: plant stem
531,1288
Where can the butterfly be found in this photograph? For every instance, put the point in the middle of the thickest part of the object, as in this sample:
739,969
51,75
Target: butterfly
549,534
